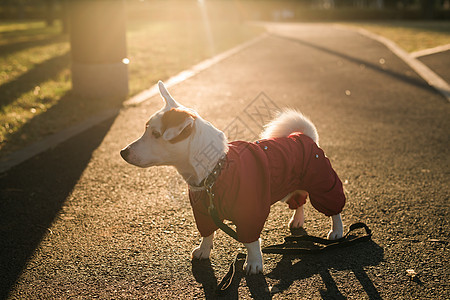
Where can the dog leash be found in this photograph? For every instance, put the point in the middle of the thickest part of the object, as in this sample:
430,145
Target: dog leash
292,243
215,215
208,184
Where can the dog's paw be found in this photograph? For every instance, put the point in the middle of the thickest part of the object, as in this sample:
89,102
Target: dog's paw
253,266
201,252
335,234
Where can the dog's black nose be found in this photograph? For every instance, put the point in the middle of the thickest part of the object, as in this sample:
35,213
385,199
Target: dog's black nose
125,152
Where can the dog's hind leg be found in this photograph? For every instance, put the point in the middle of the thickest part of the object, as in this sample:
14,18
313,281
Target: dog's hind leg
337,228
298,218
296,200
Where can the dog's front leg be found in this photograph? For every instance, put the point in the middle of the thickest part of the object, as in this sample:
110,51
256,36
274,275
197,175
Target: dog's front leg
254,263
337,228
203,251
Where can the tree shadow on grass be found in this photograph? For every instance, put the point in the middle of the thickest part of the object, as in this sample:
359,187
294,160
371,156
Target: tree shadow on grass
42,72
9,48
69,110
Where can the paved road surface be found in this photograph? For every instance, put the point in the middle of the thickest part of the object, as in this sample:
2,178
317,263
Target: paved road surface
78,222
439,63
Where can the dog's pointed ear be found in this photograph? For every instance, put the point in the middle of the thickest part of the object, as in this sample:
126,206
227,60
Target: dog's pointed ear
177,125
170,102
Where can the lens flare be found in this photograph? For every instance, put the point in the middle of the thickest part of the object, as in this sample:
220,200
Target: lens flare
205,17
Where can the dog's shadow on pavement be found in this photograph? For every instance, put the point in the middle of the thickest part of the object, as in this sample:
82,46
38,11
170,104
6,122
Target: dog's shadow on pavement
204,274
291,268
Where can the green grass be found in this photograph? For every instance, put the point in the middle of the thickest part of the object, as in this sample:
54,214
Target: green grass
411,36
35,82
34,76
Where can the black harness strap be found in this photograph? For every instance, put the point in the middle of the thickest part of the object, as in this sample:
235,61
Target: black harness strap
215,216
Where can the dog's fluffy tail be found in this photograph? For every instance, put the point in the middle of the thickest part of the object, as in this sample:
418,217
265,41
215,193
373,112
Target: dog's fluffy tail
287,122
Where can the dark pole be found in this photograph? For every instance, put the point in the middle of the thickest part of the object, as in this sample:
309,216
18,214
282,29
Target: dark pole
428,8
49,12
98,48
65,16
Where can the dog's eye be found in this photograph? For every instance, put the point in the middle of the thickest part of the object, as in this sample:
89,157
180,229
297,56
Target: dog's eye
156,134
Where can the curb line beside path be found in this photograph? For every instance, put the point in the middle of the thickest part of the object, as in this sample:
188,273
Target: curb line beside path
147,94
420,68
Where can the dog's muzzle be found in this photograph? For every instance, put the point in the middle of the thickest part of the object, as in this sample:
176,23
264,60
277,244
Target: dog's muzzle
125,153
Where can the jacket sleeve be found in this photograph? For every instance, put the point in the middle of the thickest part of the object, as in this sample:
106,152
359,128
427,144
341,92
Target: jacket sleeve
203,220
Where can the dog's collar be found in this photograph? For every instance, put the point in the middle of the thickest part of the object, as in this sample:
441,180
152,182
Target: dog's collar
209,180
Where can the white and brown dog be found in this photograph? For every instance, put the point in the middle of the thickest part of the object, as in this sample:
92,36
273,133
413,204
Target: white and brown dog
286,164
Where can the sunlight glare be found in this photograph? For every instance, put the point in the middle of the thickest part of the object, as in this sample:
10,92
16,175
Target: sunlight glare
206,23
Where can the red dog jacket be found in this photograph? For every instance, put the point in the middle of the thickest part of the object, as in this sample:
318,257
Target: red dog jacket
256,175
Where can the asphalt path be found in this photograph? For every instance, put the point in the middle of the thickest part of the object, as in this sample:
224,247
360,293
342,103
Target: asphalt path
78,222
439,63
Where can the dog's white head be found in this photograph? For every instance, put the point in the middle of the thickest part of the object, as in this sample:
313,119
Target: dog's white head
165,136
176,136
